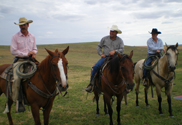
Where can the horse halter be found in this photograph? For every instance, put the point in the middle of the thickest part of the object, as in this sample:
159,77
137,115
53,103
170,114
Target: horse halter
173,48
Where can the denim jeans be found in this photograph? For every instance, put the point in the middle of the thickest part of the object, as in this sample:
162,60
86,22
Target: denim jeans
148,63
97,67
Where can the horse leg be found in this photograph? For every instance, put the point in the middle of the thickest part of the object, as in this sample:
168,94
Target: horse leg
46,113
169,103
158,90
146,97
119,98
137,90
35,113
105,108
108,102
97,102
10,102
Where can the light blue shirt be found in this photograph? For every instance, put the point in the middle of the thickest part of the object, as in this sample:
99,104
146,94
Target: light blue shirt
154,46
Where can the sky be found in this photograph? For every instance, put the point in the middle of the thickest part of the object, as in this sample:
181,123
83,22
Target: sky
76,21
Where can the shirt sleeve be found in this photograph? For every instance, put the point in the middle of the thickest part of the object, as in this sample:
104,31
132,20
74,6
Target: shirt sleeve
99,47
35,47
121,48
14,48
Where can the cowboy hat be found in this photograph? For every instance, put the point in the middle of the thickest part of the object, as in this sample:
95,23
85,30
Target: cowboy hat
155,31
23,21
115,28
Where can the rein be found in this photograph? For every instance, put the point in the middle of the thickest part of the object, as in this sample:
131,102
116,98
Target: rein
167,81
108,83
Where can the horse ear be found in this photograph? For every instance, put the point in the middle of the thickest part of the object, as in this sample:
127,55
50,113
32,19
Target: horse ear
176,45
120,56
166,45
131,54
50,53
56,50
65,51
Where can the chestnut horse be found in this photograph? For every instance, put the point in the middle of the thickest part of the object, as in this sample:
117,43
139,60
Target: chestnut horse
162,75
116,77
51,74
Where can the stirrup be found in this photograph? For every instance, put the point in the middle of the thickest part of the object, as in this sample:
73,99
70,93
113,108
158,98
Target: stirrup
89,88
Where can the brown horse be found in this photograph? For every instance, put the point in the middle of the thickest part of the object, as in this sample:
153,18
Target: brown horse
51,74
116,77
162,75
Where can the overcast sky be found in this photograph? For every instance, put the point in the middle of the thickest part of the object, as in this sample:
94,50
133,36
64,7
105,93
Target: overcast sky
74,21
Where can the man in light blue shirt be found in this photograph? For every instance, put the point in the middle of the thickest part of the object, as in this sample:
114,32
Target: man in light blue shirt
155,47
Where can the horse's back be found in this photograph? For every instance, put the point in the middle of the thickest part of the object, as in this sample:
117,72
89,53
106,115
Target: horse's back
3,67
138,71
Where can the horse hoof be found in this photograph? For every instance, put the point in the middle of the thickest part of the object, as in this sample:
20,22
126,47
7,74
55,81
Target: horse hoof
97,115
171,116
148,105
137,106
161,114
107,114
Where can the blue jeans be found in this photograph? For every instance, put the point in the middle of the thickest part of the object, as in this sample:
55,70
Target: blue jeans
148,63
97,67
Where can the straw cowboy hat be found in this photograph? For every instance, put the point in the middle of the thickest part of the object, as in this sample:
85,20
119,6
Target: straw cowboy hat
155,31
23,21
115,28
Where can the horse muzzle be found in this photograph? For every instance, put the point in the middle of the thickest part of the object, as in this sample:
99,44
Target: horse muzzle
61,88
172,68
130,86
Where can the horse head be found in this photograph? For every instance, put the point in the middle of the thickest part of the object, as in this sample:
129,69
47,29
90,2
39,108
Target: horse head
59,68
127,67
172,56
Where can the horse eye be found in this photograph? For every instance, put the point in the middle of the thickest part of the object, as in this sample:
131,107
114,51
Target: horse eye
167,54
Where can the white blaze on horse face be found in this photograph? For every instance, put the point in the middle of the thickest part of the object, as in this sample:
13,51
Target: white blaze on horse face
62,73
172,58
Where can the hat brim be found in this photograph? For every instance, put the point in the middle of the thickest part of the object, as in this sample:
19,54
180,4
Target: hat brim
155,33
119,31
29,21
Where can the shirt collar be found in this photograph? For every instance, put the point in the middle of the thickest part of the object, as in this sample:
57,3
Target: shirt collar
20,34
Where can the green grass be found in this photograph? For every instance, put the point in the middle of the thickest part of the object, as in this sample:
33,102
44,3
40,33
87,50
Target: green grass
78,108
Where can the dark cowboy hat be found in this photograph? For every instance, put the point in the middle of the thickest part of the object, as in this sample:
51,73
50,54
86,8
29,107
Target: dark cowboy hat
155,31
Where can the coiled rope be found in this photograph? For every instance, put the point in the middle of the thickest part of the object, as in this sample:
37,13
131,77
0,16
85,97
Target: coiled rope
28,74
152,66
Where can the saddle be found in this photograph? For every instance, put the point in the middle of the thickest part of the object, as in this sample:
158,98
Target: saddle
8,76
97,77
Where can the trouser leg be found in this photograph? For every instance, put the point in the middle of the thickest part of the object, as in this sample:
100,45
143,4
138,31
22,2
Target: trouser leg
95,69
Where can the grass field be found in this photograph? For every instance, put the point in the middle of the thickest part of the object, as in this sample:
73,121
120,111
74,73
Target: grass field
77,108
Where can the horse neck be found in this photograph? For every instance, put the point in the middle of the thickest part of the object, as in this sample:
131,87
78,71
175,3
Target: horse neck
163,66
45,71
115,78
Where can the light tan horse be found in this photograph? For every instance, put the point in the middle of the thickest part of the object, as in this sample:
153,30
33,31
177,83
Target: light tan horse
162,75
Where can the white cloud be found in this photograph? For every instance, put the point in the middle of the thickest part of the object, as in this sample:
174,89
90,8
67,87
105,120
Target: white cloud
64,21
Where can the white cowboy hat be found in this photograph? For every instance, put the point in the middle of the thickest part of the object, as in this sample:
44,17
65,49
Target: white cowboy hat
115,28
23,21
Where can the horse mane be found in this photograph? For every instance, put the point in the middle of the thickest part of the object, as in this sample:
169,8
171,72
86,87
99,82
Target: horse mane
114,63
44,63
172,47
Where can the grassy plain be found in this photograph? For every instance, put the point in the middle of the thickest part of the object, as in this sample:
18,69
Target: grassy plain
77,108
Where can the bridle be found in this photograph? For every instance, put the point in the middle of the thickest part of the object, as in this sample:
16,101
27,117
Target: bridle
52,68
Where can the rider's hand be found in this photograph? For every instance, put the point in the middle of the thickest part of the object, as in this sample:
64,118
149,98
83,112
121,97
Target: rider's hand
103,56
32,53
158,51
164,50
111,53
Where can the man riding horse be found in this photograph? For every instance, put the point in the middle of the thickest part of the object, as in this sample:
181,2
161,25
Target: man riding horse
110,44
23,45
155,47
